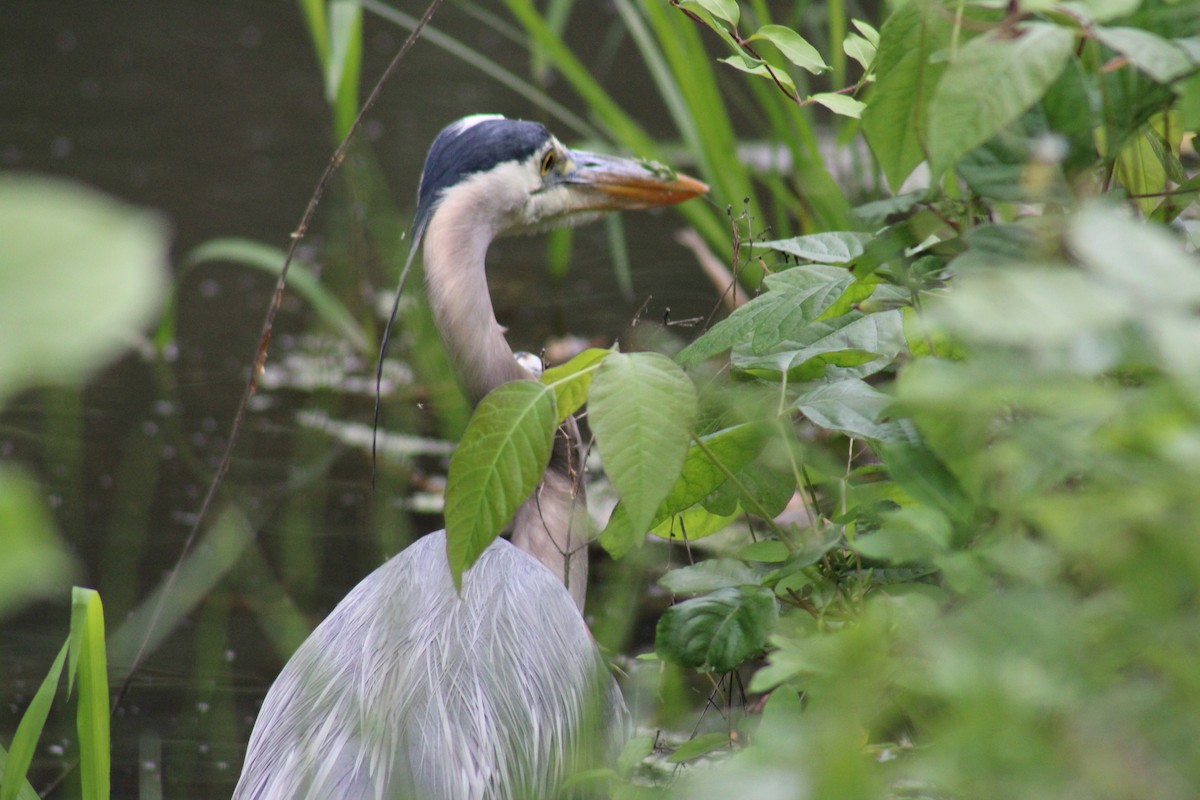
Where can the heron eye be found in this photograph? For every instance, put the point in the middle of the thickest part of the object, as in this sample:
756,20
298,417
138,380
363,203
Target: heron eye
548,162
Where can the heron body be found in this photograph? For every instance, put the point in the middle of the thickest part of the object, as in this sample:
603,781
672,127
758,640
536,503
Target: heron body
410,689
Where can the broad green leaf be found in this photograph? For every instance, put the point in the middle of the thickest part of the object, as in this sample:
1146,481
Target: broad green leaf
1146,262
35,562
726,10
634,752
759,67
853,345
793,46
963,114
841,104
572,380
1102,10
733,448
718,631
926,478
641,410
1153,55
768,551
92,716
894,121
849,406
832,247
699,746
859,49
695,523
708,576
498,464
301,280
80,274
801,292
29,730
908,536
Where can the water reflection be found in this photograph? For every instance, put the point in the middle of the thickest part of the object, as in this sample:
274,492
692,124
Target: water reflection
214,113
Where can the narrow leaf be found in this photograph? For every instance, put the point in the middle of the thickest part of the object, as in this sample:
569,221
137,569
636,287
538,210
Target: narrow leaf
92,716
642,408
504,451
29,730
726,10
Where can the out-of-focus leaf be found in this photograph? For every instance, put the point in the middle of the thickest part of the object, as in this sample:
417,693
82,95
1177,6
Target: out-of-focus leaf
699,746
1153,55
718,631
80,274
962,117
908,536
503,453
641,409
29,730
708,576
35,563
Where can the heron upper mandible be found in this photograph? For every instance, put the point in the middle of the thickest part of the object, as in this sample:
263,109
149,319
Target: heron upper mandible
410,689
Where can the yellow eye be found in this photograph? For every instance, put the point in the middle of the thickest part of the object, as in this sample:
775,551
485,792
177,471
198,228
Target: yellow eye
548,161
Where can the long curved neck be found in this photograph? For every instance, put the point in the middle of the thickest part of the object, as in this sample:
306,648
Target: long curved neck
552,524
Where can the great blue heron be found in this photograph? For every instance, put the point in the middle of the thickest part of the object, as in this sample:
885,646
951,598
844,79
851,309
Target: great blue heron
410,689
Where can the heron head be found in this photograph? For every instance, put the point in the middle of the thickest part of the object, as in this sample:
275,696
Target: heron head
512,176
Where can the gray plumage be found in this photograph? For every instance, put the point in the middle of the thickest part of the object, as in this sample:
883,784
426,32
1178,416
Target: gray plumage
410,690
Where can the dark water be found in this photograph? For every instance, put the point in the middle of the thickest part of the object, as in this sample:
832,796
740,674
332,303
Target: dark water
213,113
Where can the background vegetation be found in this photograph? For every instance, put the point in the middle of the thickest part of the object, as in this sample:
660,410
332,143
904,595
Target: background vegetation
933,484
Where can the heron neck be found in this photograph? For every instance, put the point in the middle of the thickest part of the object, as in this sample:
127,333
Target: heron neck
462,308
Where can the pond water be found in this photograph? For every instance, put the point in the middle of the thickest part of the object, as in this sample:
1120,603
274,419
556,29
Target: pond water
213,113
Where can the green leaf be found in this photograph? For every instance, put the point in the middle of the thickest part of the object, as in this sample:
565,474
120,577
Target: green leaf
29,730
718,631
963,114
859,49
301,280
35,563
726,10
708,576
841,104
733,449
758,67
768,551
1153,55
894,121
831,247
801,292
868,31
80,274
504,451
92,721
793,46
908,536
24,790
572,380
635,751
699,746
851,407
695,523
853,345
641,409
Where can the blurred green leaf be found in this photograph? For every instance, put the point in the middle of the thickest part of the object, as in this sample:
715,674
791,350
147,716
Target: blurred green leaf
1153,55
962,117
725,10
80,274
699,746
35,563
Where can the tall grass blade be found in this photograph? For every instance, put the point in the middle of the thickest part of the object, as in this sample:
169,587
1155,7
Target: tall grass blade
24,743
92,714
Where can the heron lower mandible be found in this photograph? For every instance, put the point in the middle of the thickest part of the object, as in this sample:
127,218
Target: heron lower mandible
410,689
